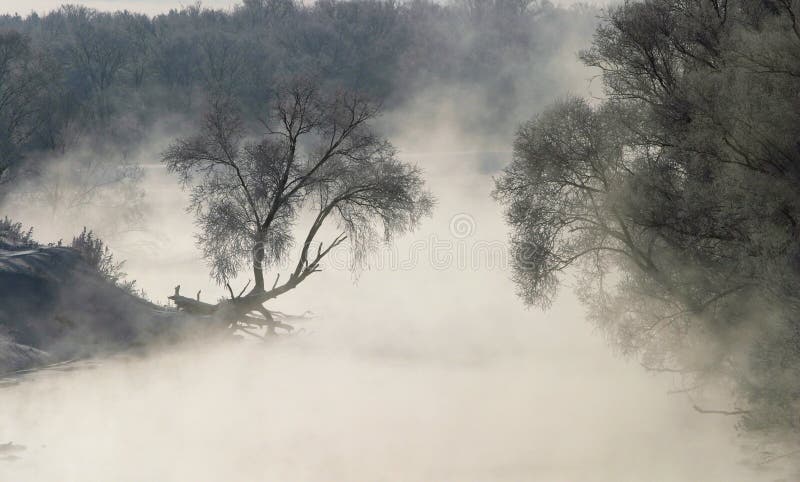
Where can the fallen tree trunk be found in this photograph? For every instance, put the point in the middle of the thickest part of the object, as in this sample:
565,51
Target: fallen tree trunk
231,313
192,306
238,309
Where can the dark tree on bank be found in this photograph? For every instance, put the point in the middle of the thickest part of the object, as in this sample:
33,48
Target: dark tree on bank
675,200
317,154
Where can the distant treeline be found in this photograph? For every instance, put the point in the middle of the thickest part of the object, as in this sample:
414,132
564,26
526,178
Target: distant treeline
77,72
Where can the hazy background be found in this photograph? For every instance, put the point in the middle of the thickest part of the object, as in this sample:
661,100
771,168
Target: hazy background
425,367
154,7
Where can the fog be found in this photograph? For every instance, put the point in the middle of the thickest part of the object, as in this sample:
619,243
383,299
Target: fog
317,409
424,367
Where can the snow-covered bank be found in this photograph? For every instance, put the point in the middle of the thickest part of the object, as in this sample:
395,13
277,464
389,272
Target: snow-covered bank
54,307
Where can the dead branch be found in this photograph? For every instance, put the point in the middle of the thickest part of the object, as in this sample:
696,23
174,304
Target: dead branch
684,390
190,305
669,369
769,460
720,412
245,287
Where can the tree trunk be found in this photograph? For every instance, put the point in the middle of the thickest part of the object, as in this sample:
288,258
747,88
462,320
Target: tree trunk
258,266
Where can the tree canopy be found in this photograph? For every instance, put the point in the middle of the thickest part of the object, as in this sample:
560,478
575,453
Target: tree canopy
675,198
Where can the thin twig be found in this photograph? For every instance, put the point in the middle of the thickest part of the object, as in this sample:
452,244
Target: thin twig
777,457
245,287
721,412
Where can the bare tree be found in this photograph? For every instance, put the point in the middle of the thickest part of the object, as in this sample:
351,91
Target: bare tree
98,51
317,154
19,87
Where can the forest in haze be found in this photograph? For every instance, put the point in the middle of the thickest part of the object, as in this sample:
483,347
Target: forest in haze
644,157
85,91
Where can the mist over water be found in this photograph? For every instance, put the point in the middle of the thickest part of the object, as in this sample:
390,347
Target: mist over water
314,410
424,367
